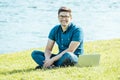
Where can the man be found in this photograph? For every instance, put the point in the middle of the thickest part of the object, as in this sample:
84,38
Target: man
69,39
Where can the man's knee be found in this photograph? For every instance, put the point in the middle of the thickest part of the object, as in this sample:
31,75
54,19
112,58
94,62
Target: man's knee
36,53
38,57
71,57
33,53
67,55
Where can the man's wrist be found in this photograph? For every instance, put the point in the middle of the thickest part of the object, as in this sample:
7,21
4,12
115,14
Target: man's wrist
53,59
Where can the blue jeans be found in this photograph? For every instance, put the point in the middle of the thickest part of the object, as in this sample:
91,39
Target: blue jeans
68,59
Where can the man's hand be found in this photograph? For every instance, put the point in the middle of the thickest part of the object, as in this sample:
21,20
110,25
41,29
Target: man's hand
48,63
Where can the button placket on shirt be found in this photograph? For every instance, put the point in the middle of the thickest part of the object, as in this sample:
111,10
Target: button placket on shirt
62,42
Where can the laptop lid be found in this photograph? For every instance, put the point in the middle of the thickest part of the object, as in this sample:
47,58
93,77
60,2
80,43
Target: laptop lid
88,60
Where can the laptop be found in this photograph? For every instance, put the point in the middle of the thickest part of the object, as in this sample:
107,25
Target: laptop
88,60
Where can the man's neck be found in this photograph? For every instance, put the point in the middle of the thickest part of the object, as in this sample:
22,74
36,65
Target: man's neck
64,28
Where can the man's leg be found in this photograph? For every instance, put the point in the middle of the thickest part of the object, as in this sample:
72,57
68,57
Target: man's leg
68,59
38,57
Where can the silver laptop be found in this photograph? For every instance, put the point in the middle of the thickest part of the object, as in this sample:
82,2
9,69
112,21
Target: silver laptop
88,60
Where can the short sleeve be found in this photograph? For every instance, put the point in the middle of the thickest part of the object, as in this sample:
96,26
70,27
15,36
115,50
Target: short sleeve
53,32
77,35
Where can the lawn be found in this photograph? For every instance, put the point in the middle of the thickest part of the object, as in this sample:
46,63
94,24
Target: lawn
20,66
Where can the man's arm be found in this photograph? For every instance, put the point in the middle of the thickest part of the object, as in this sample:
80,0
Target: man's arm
49,48
72,47
48,62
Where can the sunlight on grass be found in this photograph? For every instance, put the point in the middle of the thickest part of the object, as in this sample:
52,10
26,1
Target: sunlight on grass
20,66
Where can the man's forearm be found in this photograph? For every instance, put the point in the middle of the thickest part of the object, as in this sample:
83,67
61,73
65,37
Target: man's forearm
59,55
47,54
70,49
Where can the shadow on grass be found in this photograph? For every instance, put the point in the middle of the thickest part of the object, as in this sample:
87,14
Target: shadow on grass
28,70
17,71
23,71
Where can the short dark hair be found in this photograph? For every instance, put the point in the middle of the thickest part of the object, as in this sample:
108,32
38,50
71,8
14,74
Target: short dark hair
64,9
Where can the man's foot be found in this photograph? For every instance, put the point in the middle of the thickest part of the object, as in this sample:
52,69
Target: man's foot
38,67
51,67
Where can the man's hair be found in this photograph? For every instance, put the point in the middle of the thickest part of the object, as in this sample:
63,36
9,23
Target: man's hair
64,9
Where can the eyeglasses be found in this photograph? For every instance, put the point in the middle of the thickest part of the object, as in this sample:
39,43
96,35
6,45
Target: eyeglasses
61,16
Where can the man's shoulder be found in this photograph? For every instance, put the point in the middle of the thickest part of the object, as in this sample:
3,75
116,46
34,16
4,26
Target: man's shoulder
55,27
76,27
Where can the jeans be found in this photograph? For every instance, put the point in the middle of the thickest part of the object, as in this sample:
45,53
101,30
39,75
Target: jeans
68,59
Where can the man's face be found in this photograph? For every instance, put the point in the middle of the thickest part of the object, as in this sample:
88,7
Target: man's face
64,18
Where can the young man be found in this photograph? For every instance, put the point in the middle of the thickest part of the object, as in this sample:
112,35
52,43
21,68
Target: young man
69,39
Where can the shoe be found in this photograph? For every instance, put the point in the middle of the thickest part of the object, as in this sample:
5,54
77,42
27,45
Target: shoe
38,67
51,67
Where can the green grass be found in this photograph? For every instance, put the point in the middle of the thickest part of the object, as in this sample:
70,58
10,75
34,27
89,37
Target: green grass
20,66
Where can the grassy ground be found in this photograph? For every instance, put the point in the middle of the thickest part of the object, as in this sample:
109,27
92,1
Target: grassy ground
20,66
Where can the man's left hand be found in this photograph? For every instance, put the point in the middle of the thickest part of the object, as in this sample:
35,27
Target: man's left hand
48,63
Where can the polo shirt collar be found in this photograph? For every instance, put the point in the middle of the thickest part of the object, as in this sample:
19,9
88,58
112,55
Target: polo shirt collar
69,26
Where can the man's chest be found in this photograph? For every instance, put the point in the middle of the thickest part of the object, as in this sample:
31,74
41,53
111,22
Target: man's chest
63,38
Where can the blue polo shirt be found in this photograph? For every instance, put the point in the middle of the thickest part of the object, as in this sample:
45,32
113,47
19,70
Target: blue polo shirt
63,39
